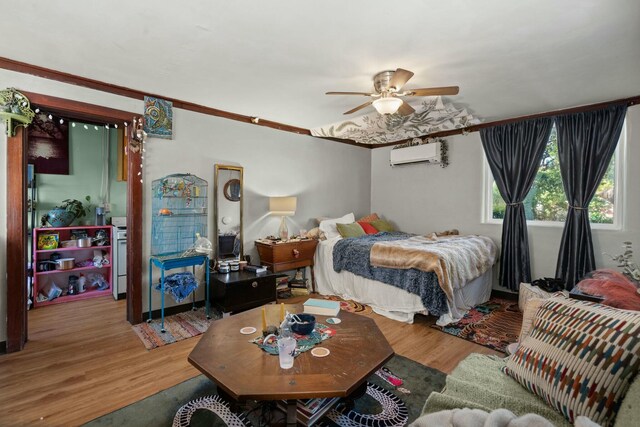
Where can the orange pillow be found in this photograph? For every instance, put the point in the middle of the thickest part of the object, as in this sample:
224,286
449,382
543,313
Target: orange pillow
368,228
369,218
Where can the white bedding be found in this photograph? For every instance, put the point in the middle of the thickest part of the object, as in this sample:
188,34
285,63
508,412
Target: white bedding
387,300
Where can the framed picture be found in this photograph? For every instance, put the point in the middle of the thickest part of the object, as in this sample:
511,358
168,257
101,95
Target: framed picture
48,145
158,117
48,241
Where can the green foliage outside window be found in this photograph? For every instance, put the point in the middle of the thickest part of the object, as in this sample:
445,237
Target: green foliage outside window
546,200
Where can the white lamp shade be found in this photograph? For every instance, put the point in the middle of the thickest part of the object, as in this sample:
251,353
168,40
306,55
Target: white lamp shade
283,206
387,105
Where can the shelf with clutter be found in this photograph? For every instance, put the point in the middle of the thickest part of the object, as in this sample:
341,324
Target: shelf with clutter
71,263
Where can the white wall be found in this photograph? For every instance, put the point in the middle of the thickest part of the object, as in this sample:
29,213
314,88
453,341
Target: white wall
420,198
329,178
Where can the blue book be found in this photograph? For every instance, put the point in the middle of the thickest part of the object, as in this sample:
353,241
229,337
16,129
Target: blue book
322,307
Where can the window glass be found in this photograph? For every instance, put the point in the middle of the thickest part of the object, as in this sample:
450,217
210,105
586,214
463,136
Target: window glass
546,200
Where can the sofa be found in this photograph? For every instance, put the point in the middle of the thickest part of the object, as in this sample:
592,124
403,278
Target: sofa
485,382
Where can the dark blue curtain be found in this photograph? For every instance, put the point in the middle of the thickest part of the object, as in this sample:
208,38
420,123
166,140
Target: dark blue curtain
514,152
586,143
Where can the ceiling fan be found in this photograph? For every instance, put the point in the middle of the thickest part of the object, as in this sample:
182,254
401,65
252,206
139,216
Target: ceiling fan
388,85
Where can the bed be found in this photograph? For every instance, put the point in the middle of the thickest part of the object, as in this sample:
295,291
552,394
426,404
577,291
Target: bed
423,293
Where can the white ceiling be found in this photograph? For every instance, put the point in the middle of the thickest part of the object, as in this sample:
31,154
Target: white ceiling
275,59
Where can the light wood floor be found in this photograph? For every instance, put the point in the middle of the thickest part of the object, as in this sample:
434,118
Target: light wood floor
83,360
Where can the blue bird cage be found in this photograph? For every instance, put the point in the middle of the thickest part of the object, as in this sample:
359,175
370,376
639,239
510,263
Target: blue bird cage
179,211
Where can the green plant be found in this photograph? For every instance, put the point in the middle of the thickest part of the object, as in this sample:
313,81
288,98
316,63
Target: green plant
76,207
625,260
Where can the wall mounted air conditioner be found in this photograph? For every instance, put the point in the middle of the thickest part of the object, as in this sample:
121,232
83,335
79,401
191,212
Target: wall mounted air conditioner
429,153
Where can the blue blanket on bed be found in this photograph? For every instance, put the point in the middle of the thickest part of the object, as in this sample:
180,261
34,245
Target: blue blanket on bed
353,255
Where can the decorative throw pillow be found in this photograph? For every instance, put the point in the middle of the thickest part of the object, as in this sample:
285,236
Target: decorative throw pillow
369,218
328,226
367,227
350,230
530,310
382,225
580,357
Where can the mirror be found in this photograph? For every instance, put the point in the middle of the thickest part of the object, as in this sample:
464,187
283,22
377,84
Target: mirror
227,211
232,190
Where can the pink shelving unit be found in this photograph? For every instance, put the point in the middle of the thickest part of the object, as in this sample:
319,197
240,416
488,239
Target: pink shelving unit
42,279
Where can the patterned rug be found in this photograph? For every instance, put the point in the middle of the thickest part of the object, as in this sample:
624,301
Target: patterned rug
195,402
178,327
349,305
494,324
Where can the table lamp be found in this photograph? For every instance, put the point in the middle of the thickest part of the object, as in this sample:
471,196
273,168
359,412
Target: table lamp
283,206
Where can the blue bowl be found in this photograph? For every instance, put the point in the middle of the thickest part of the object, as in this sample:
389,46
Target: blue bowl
308,322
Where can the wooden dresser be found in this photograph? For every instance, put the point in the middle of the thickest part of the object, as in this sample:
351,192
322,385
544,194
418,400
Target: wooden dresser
288,256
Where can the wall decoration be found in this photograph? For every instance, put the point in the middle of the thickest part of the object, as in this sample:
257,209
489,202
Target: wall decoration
432,115
48,144
15,110
158,117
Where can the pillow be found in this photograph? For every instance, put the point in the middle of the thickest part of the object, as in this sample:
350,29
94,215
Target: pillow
528,291
382,225
321,218
350,230
369,218
580,357
530,309
328,226
367,227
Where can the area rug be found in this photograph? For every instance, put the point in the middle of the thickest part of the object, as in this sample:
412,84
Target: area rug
382,405
349,305
494,324
178,327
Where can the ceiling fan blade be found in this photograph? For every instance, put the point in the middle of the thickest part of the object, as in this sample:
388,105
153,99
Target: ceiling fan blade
348,93
433,91
359,107
406,109
400,77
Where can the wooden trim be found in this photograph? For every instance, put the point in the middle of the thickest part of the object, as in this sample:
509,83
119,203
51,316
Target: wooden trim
134,235
78,110
16,241
634,100
47,73
16,216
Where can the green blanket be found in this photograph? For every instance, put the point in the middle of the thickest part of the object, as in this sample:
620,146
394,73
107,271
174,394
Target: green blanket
478,383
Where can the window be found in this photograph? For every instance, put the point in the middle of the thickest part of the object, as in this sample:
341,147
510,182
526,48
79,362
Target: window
546,202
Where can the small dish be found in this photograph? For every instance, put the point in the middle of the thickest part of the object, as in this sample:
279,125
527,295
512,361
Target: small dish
247,330
333,320
320,352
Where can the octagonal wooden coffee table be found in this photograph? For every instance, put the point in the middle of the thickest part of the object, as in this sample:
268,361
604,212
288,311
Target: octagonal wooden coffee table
243,371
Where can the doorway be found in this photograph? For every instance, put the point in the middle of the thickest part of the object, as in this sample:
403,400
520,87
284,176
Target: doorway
17,328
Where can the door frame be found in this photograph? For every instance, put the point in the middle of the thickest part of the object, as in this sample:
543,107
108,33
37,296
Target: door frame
17,328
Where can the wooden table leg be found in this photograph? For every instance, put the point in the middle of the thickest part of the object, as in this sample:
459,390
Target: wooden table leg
292,408
313,280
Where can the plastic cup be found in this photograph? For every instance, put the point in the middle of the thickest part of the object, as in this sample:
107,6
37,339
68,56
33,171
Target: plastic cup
286,351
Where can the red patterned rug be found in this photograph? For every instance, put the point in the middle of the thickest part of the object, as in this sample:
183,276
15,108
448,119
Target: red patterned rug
494,324
178,327
349,305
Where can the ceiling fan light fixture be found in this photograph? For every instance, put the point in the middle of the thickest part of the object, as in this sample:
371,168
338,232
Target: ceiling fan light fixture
387,105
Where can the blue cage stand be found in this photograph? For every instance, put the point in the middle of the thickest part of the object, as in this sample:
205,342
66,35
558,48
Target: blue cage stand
165,263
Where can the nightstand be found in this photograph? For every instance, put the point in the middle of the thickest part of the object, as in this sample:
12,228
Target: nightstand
288,256
242,290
